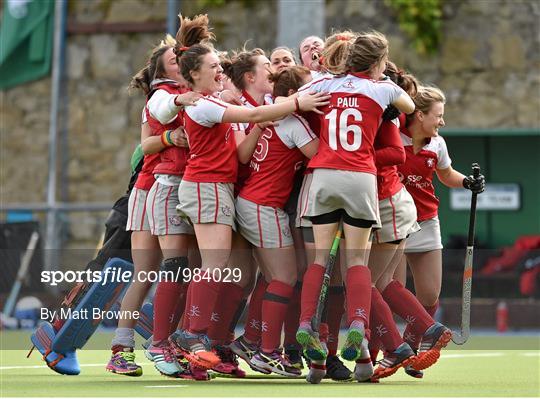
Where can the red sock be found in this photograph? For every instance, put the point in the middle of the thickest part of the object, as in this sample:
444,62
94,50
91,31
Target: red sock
179,308
274,307
203,302
311,288
230,295
335,310
406,305
358,283
374,347
252,330
382,322
167,295
185,318
292,318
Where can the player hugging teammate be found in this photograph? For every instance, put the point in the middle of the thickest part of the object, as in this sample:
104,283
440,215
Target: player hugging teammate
256,163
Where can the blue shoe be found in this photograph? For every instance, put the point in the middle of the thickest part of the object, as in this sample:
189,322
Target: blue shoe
352,348
311,345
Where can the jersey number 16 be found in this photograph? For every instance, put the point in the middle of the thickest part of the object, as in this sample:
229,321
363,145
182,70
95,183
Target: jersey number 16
342,129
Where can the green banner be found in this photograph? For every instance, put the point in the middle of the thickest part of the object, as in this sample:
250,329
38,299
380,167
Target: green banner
26,38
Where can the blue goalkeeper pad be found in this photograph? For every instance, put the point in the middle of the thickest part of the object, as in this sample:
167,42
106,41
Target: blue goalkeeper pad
81,325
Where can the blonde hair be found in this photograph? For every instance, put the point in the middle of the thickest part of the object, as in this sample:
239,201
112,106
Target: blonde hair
368,50
426,96
336,51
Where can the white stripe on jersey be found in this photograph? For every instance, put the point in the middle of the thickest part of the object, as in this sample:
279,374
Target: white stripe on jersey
383,92
437,145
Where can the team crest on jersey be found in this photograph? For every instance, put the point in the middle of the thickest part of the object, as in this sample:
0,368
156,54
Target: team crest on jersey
226,210
430,162
175,220
286,231
348,84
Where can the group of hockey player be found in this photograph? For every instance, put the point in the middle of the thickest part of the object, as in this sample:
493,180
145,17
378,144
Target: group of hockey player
256,162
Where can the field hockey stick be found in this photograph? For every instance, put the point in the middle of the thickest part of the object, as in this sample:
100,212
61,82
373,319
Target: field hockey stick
463,336
21,274
316,319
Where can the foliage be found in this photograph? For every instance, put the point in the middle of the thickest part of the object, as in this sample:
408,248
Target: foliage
421,20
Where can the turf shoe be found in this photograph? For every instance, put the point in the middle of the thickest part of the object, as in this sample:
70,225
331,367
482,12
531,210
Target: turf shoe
434,339
123,363
336,370
311,345
164,358
246,350
197,373
293,356
195,348
275,363
402,356
317,371
352,348
229,366
413,372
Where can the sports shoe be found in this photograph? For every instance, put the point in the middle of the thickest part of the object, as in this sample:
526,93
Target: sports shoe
434,339
195,348
229,366
413,372
352,348
317,371
293,356
246,350
311,345
274,362
123,362
363,370
164,359
392,361
197,373
336,370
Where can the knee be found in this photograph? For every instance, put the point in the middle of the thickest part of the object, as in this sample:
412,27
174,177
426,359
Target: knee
428,298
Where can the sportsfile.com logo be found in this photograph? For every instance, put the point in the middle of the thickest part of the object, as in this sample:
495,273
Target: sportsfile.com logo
117,275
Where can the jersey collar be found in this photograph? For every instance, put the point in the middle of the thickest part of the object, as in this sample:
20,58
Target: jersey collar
249,99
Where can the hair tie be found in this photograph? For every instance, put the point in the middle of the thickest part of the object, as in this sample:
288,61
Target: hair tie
343,38
184,48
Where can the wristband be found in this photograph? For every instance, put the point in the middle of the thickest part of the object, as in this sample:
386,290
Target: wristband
166,139
169,138
297,104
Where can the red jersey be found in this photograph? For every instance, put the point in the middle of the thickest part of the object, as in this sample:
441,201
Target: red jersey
351,120
389,152
212,147
417,173
275,162
172,159
145,180
243,169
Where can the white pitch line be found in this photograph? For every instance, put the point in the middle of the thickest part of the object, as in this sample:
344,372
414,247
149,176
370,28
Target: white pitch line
165,386
531,354
460,355
45,367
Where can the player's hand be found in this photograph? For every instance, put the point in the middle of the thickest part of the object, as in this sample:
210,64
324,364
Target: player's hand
475,184
312,101
230,97
265,125
390,113
189,98
179,137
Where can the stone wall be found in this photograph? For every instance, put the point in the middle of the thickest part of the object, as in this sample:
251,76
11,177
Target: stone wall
488,65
